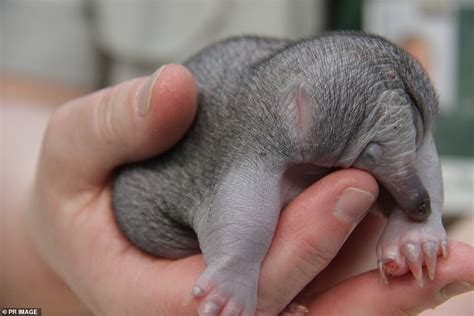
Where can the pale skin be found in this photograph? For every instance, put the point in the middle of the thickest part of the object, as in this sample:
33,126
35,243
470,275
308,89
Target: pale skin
79,247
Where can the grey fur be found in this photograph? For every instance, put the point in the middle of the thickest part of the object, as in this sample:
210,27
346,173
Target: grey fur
274,116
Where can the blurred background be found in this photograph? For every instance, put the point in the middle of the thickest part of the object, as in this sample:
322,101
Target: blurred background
52,51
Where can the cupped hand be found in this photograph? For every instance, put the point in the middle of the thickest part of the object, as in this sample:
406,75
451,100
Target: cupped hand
74,230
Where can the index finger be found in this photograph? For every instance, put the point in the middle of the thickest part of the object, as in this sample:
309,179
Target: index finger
402,296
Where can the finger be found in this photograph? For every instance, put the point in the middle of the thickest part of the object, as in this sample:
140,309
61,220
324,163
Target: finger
402,296
356,256
311,230
134,120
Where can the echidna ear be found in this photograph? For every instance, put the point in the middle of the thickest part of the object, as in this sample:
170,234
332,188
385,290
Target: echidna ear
295,104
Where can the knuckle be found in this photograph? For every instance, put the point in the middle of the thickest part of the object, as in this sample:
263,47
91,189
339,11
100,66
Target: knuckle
315,253
106,116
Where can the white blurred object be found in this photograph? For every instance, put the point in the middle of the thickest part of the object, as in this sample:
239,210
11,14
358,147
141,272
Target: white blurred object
458,178
84,41
163,31
47,40
435,22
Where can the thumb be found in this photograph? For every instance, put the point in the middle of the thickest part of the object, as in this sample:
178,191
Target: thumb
366,295
90,136
311,230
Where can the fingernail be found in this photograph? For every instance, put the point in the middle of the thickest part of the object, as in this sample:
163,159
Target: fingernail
144,96
456,288
298,308
353,204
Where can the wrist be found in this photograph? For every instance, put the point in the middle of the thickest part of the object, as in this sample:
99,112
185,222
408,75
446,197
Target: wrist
28,280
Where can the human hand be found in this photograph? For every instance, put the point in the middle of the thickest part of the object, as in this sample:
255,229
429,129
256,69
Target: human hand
366,295
344,287
72,223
